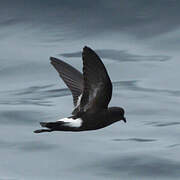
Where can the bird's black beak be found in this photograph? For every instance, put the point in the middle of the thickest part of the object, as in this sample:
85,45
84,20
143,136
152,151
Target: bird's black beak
124,119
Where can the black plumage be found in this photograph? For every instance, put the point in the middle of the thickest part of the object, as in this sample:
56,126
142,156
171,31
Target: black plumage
97,90
91,93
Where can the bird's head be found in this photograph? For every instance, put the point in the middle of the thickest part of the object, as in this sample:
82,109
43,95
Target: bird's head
117,113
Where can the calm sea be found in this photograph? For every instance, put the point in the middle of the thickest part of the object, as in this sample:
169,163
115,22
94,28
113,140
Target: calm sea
139,43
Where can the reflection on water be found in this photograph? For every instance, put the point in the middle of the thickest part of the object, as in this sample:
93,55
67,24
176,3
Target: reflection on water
142,56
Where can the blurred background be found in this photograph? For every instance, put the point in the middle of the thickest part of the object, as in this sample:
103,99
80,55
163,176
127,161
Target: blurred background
138,42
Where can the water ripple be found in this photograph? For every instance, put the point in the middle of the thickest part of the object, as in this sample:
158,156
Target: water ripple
136,140
167,124
133,85
20,117
41,95
163,124
139,166
121,55
173,145
28,146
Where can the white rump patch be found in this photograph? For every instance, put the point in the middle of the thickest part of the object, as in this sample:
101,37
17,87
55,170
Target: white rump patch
72,122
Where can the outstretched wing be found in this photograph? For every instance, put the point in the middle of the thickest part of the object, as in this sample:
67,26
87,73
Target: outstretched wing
97,89
71,76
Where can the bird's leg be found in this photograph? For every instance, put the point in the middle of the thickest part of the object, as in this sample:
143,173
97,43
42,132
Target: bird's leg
43,130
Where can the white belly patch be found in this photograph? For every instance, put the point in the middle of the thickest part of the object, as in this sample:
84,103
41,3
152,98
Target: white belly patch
71,122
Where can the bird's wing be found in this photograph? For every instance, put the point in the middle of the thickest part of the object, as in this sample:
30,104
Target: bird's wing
71,76
97,90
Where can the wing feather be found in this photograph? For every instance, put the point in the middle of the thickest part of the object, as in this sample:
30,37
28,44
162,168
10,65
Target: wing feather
97,89
71,76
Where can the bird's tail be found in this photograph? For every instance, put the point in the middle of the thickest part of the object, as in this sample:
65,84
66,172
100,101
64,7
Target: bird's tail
45,124
51,125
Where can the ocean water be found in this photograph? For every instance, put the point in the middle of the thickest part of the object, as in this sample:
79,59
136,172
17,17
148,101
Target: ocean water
139,44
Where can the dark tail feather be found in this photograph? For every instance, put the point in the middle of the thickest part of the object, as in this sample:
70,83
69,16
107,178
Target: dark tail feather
44,124
51,125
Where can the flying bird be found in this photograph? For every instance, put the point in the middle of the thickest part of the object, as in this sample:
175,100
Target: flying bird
91,93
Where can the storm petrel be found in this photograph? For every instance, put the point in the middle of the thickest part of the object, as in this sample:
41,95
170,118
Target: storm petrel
91,93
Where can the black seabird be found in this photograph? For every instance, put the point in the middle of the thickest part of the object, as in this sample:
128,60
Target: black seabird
91,93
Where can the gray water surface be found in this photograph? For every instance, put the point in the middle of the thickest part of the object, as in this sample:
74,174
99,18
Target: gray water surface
139,44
